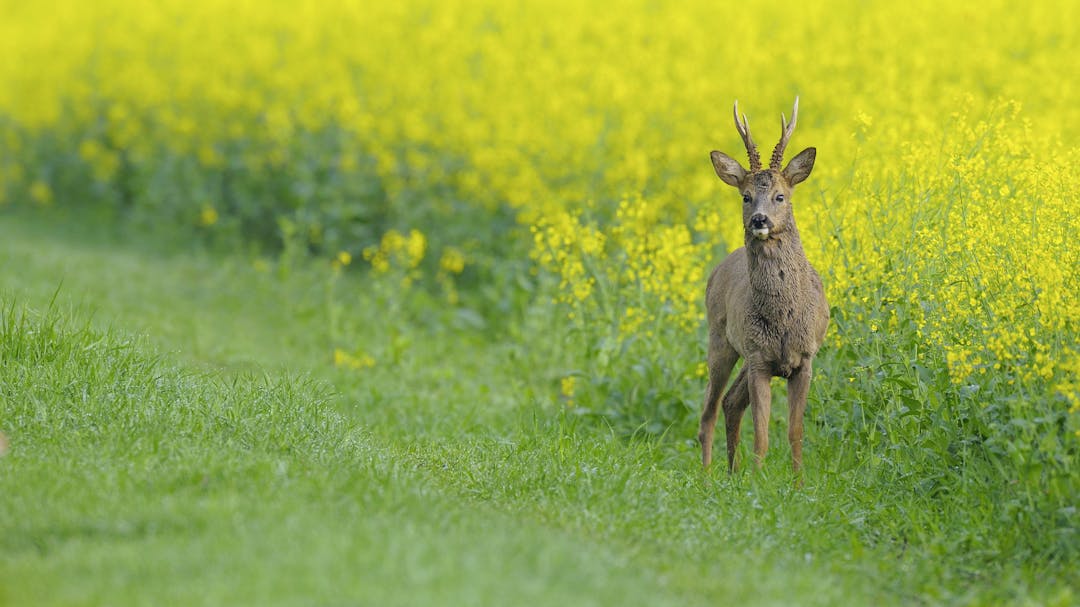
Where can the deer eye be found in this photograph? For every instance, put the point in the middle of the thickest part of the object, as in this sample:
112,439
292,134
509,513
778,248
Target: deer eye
779,198
746,198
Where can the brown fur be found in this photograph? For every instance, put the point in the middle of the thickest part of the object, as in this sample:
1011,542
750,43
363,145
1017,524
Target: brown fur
766,305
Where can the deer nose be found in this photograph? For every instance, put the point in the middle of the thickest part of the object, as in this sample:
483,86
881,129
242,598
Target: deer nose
759,221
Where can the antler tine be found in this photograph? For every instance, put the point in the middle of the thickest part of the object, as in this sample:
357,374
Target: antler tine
748,141
786,129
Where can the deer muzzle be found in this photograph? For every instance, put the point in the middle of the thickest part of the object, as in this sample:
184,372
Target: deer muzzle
760,225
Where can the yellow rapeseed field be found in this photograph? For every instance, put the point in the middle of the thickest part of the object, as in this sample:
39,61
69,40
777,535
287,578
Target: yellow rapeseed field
943,202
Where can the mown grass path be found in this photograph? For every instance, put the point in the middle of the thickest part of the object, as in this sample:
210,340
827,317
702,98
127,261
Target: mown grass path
179,434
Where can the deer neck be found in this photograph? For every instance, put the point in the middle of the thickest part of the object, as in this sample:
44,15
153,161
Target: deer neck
778,268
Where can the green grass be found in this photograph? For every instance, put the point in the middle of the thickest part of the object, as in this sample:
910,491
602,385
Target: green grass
180,435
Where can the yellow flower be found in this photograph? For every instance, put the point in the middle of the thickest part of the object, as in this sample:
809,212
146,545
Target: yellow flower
41,193
452,260
415,247
568,386
343,359
397,250
208,216
209,156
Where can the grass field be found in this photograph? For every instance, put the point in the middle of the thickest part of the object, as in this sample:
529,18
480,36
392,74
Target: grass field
178,434
373,304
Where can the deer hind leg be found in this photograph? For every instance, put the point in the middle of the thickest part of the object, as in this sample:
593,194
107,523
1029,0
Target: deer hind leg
722,358
736,400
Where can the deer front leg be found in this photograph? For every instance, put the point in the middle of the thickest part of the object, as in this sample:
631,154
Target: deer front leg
798,388
760,407
735,402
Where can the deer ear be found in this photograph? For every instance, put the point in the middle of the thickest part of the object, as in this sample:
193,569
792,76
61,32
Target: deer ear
800,166
727,168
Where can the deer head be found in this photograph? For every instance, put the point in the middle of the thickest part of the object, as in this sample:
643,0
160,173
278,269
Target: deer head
766,193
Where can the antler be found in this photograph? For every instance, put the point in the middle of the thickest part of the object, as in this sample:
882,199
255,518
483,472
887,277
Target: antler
744,131
786,130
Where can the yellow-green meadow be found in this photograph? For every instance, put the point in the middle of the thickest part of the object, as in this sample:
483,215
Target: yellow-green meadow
483,229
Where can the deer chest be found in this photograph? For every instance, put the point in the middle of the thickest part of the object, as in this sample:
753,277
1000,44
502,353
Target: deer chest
780,346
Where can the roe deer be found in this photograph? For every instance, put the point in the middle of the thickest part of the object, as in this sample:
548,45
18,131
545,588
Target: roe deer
764,302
